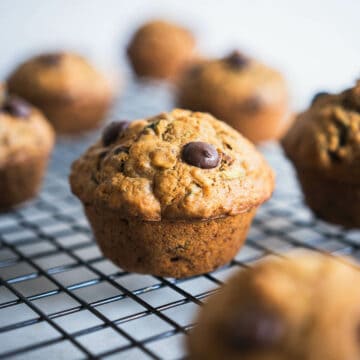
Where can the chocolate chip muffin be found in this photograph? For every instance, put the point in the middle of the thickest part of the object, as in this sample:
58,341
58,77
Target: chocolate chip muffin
26,141
72,93
305,308
324,145
172,195
246,94
160,49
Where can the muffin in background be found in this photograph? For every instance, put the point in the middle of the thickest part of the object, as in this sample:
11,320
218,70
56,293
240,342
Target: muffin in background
160,49
324,146
171,195
246,94
73,95
305,308
26,141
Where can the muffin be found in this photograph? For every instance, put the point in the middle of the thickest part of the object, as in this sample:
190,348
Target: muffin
160,49
171,195
26,141
324,146
72,93
246,94
306,308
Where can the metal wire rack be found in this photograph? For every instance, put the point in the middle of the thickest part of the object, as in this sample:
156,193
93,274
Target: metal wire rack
60,298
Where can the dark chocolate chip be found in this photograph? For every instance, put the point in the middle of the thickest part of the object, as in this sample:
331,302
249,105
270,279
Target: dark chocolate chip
194,70
112,131
200,154
254,329
237,60
251,105
50,59
318,95
17,107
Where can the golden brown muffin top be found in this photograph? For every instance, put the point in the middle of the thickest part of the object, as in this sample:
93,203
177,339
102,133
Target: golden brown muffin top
305,308
24,131
57,76
326,137
159,44
176,165
236,77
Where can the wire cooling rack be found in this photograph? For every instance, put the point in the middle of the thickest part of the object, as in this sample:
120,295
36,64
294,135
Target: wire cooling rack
60,298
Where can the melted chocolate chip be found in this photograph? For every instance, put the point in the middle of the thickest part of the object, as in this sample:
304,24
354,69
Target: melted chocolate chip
254,329
17,107
200,154
318,95
237,60
112,131
51,59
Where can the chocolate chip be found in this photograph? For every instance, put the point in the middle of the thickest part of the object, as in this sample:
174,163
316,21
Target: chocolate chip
17,107
200,154
112,131
237,60
318,95
194,70
254,329
51,59
251,105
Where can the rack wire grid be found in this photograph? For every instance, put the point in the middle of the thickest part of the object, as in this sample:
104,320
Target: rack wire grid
60,298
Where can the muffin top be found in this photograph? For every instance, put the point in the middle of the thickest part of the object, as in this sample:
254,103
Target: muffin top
176,165
24,131
158,47
238,78
57,76
305,307
326,137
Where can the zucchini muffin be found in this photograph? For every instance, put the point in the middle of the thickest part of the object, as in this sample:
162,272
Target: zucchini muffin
324,146
26,141
171,195
73,95
248,95
160,49
304,308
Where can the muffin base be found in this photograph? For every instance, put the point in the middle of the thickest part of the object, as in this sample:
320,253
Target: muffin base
169,248
332,200
21,181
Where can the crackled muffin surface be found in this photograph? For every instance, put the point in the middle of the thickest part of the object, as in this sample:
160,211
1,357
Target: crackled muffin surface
304,307
326,137
177,165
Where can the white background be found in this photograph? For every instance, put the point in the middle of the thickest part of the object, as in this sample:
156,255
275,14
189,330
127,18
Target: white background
315,43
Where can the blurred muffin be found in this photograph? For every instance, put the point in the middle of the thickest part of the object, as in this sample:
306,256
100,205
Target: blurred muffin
72,93
160,49
26,141
246,94
324,145
172,195
306,308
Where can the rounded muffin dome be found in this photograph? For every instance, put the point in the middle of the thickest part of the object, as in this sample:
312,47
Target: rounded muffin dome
303,307
176,165
160,49
326,136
